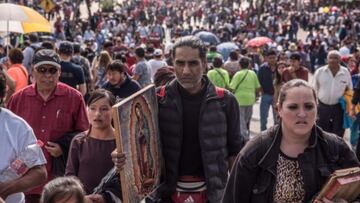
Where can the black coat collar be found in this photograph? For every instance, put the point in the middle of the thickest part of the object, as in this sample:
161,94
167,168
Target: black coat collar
274,135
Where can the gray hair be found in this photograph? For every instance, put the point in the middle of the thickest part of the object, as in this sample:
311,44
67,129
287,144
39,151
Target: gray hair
334,53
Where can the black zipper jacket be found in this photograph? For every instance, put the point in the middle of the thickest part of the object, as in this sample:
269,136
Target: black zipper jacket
253,176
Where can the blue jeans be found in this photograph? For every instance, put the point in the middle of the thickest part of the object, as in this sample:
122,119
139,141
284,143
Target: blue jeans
265,103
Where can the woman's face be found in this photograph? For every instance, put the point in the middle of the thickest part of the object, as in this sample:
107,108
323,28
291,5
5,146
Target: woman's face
351,62
298,112
281,68
99,113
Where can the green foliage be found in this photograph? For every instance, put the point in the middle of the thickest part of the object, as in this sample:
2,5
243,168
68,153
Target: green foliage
107,5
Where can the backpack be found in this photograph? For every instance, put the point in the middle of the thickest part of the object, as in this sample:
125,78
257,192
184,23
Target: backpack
34,48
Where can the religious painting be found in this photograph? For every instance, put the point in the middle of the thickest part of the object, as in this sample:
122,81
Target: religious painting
136,125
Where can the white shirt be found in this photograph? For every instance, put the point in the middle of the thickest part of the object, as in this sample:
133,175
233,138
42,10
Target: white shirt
156,65
15,136
330,88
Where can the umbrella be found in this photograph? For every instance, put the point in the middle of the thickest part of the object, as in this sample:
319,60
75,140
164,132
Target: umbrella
21,19
334,9
258,41
208,37
326,9
225,48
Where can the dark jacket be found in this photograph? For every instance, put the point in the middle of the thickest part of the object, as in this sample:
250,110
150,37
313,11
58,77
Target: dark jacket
59,163
110,185
265,76
126,89
253,176
219,136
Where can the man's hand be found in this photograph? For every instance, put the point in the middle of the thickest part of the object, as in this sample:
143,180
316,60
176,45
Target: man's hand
32,178
3,193
352,113
54,149
95,198
118,159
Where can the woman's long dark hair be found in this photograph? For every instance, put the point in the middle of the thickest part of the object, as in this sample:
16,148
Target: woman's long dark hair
277,76
99,94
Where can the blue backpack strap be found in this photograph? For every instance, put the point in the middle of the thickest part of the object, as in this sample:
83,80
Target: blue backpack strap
220,92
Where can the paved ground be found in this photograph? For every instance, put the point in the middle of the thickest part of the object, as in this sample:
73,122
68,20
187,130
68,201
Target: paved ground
255,120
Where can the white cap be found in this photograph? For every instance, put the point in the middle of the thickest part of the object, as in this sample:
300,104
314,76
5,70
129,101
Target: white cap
158,52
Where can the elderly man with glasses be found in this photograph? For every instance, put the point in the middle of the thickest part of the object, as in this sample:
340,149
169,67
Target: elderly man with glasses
53,109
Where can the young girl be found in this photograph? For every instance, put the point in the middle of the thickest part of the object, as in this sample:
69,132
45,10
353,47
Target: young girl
90,151
63,190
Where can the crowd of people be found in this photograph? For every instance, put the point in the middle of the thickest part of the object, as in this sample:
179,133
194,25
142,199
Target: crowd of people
59,91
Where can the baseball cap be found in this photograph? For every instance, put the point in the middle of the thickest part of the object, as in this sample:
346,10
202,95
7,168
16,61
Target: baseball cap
157,52
66,47
46,57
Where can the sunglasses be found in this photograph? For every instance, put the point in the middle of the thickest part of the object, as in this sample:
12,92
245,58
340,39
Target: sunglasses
44,70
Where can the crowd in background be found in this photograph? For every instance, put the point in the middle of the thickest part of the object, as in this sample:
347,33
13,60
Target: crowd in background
131,47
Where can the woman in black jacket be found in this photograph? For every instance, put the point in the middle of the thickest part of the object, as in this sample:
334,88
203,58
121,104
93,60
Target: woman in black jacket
289,162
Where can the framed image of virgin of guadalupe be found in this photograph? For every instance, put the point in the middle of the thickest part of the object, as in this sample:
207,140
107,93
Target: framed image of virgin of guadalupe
136,130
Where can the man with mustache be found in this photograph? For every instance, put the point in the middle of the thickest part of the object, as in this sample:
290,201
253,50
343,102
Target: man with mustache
51,108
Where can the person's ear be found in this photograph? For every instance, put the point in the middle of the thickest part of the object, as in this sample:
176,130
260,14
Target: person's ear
204,66
278,109
59,72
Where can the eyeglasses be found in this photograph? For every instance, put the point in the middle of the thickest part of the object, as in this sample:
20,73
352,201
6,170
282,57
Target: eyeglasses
44,70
